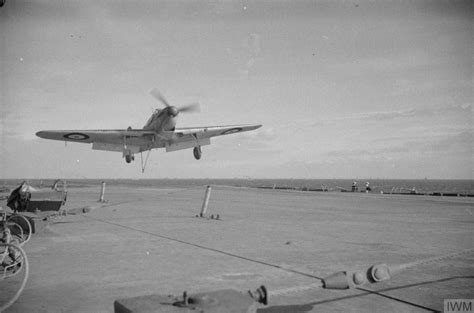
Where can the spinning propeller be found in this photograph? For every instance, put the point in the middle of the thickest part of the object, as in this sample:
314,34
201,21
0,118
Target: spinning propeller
172,110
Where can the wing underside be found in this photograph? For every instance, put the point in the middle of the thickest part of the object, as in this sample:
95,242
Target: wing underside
107,140
190,137
213,131
142,140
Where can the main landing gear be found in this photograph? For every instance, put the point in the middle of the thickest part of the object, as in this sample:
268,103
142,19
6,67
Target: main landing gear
127,153
129,158
197,152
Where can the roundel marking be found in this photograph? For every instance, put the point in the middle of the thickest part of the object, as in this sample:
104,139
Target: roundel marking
231,131
76,136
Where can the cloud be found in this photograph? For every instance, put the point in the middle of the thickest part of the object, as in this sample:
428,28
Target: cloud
443,156
450,144
381,116
460,112
263,141
458,143
443,9
244,56
42,10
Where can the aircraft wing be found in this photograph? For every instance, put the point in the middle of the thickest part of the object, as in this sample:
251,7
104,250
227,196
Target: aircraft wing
213,131
141,140
105,139
190,137
113,136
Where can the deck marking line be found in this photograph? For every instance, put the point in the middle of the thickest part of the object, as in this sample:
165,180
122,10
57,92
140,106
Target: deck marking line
397,299
207,248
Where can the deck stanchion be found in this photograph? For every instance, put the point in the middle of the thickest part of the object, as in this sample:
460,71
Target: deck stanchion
102,192
205,202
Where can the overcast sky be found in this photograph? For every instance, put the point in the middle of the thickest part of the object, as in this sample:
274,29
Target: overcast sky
344,89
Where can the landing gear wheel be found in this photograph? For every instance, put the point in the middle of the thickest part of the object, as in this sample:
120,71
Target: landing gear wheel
129,158
197,152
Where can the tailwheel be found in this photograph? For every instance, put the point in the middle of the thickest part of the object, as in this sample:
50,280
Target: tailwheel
197,152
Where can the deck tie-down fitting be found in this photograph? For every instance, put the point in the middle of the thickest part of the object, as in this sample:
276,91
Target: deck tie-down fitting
377,273
351,279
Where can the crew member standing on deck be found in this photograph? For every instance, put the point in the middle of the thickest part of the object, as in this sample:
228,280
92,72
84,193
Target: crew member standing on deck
354,186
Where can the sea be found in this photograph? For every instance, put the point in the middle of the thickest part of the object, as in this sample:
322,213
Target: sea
376,185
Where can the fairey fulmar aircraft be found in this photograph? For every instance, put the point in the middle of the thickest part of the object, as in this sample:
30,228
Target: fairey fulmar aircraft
160,131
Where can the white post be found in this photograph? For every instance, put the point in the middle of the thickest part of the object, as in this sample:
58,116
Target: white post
206,201
102,192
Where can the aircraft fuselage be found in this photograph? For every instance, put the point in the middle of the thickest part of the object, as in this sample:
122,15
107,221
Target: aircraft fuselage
162,120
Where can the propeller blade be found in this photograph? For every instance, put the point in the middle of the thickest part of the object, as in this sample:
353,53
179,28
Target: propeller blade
190,108
158,96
